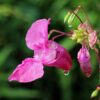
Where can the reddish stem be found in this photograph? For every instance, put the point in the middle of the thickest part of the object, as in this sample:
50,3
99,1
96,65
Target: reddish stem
57,36
61,33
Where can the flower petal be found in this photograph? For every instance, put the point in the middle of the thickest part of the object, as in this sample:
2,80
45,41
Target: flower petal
37,33
92,38
84,60
92,35
29,70
62,59
47,54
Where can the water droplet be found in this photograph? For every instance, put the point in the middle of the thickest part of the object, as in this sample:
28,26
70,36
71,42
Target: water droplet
66,73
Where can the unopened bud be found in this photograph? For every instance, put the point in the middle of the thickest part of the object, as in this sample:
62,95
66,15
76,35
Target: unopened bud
84,60
71,18
67,16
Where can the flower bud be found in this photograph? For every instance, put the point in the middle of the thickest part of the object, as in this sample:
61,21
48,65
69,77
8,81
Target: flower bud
84,60
67,16
71,18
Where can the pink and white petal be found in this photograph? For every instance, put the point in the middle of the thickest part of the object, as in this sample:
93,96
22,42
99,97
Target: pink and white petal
37,33
28,71
63,59
46,54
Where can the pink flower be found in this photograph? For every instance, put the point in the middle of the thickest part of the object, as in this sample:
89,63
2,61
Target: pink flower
84,60
46,52
92,35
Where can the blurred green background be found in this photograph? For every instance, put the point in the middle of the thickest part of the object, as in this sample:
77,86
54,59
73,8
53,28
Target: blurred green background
16,16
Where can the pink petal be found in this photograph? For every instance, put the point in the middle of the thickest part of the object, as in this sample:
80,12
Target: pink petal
62,59
29,70
85,26
46,54
86,68
84,60
37,33
92,34
92,38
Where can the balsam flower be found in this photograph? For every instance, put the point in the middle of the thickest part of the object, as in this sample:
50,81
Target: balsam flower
46,52
84,60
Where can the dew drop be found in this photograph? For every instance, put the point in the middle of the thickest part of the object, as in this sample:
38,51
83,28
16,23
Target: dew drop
66,73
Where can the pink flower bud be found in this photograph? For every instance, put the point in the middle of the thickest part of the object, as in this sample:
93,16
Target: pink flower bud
84,60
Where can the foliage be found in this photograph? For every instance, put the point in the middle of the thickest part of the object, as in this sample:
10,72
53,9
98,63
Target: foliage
15,19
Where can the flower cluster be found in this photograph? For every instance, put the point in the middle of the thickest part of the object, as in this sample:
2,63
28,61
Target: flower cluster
49,53
87,37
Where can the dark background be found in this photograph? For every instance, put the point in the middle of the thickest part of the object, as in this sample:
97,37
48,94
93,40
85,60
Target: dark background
16,16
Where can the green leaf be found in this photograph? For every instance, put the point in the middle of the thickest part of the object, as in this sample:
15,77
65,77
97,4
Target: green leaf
4,54
18,93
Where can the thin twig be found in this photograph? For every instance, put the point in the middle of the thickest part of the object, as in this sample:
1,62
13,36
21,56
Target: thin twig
77,17
60,32
57,31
